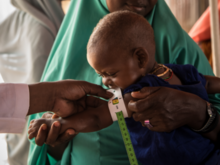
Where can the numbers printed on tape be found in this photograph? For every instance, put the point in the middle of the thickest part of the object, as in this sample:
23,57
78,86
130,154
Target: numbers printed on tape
126,139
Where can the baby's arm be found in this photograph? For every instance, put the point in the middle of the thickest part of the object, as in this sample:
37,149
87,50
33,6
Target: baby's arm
90,120
212,84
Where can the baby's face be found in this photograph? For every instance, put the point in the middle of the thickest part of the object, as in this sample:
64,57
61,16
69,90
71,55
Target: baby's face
117,68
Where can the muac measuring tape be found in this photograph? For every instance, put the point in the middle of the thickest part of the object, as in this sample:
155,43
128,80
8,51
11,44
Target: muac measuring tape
118,112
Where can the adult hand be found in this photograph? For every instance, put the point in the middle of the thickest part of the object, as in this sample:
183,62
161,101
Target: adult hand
52,137
167,108
63,97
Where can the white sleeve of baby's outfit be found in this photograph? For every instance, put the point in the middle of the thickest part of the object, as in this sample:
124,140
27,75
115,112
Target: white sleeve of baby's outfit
14,105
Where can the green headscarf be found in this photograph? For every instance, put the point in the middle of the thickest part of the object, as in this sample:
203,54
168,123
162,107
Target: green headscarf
68,61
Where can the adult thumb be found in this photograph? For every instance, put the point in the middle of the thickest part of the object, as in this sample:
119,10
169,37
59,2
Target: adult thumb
144,92
96,90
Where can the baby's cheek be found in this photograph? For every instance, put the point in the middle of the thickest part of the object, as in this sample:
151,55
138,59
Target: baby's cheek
122,82
127,78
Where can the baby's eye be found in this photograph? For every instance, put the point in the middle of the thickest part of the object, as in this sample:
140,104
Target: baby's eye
112,75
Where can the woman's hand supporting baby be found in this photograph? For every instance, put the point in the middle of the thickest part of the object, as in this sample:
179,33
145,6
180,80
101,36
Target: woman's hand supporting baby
168,109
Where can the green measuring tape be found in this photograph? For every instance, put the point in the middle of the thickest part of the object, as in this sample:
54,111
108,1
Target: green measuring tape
126,139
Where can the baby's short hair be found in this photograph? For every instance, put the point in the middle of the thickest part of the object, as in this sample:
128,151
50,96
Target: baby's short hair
123,29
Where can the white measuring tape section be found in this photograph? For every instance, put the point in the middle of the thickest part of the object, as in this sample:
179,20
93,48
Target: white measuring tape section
116,104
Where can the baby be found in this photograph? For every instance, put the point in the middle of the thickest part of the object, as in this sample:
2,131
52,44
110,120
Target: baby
121,49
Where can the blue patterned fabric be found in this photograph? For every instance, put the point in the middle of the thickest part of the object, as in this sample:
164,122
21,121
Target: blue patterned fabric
181,146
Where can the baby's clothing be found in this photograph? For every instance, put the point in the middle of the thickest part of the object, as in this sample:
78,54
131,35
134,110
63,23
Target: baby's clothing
181,146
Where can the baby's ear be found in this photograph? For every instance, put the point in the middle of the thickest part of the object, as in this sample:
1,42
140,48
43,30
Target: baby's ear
142,56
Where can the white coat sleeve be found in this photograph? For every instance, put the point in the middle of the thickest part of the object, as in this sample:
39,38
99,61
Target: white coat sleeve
14,105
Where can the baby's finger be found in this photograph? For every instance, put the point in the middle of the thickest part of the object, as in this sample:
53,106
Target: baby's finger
32,135
32,121
53,133
42,135
30,131
30,126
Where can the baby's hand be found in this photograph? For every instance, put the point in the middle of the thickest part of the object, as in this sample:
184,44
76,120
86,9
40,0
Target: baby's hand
36,124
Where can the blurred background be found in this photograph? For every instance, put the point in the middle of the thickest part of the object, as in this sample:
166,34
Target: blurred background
187,13
5,9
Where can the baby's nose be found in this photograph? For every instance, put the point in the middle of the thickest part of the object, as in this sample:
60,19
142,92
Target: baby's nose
108,82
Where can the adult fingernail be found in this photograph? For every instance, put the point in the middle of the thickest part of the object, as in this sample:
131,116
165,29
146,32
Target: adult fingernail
71,132
44,127
143,90
55,116
135,93
57,124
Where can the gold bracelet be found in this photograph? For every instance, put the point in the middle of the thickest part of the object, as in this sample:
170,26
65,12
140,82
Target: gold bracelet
165,72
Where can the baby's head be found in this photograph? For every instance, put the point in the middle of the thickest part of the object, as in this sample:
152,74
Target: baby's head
122,49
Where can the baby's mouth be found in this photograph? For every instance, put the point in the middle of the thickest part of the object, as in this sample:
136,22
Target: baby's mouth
112,86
